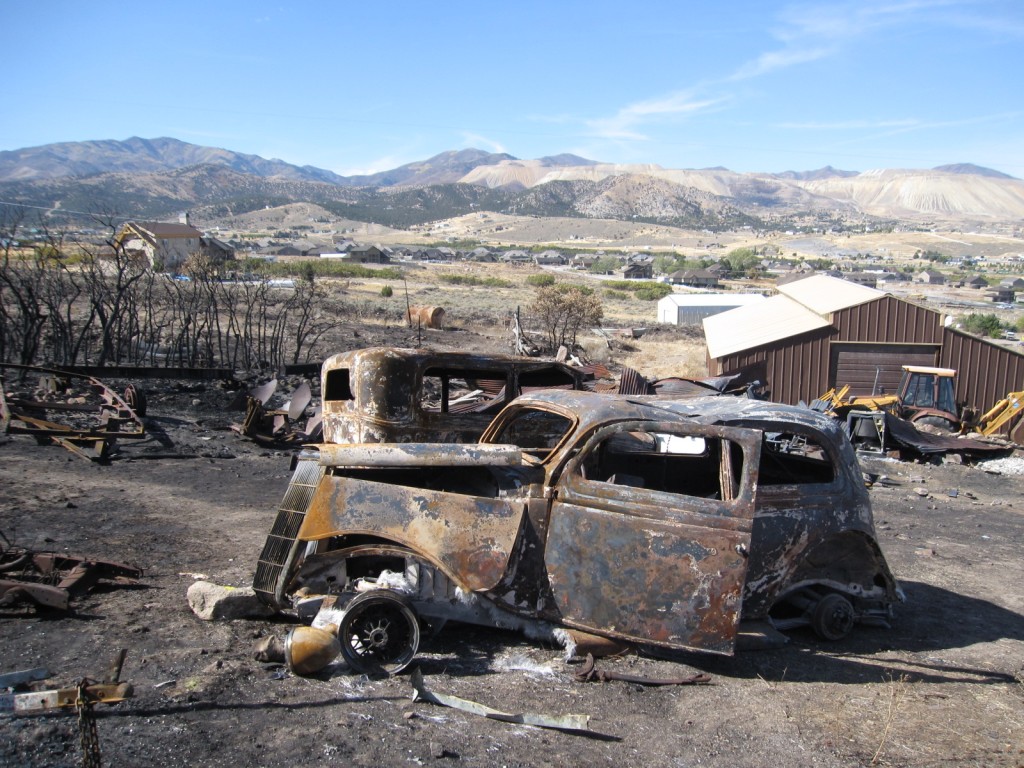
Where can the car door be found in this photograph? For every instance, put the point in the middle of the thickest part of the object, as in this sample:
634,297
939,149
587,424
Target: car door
649,532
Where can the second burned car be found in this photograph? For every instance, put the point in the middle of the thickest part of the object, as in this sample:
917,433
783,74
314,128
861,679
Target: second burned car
655,522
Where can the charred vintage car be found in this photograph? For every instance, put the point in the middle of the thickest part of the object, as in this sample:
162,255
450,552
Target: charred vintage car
660,522
388,394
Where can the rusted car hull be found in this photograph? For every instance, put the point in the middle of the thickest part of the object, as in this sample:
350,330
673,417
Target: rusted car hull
661,523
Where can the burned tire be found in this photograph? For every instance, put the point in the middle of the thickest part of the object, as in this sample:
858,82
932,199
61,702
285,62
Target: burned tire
833,617
136,399
379,633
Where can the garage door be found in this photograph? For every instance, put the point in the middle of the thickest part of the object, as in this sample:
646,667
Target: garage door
876,368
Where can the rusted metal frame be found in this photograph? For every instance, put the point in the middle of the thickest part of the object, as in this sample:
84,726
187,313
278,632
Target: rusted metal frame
87,693
52,580
112,413
65,698
681,610
471,536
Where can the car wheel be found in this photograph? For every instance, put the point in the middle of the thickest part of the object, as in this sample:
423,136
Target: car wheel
379,633
833,617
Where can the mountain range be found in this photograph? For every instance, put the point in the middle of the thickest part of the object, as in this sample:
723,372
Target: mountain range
156,178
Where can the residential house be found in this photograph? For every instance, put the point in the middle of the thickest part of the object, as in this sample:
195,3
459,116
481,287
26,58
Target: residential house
482,255
516,257
367,254
720,270
583,260
163,246
549,257
700,278
931,277
977,282
638,272
216,250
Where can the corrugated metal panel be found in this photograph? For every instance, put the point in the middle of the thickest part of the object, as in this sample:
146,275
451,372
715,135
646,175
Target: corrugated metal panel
824,294
876,369
753,326
986,372
888,320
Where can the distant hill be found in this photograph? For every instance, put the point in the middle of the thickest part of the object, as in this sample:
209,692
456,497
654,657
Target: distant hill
135,155
445,168
828,172
157,178
972,169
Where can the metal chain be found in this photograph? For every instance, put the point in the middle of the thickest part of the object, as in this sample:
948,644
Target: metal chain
89,736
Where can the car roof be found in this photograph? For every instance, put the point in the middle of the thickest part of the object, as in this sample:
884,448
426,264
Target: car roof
592,409
441,358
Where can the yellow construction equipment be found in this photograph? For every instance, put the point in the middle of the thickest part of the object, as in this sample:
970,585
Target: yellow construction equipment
925,396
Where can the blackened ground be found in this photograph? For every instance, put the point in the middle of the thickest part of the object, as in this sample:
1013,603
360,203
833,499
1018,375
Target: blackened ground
944,686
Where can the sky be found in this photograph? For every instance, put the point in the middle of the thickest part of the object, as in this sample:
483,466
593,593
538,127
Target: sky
360,87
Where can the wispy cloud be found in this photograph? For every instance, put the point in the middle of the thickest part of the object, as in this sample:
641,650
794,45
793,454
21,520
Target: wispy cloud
802,33
385,163
625,123
476,140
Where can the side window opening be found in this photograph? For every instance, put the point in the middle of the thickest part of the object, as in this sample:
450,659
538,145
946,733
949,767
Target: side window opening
789,458
545,378
449,390
338,386
536,432
702,467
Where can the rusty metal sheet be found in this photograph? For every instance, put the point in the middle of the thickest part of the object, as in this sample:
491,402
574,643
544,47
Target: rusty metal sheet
471,538
674,585
906,434
632,382
419,455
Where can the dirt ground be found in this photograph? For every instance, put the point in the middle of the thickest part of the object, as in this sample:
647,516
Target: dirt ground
944,686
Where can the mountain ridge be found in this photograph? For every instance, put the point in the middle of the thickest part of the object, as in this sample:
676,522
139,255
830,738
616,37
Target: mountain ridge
158,177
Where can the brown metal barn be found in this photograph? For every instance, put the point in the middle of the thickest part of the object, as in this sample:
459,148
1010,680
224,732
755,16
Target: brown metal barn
822,331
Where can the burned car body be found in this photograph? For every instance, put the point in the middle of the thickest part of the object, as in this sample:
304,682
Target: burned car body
390,395
654,522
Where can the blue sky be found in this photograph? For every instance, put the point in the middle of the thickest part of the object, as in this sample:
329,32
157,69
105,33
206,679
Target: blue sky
357,87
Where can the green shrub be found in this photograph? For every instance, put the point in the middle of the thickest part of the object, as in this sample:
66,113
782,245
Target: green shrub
473,280
983,325
386,292
541,280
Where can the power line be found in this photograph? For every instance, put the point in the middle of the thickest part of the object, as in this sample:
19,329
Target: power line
51,209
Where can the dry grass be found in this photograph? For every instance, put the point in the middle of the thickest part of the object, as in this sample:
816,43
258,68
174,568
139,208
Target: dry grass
659,359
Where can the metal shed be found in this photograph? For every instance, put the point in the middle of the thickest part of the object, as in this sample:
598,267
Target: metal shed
821,332
691,308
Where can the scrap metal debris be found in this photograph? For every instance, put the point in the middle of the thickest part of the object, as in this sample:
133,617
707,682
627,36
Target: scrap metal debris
589,672
51,580
74,410
279,427
905,435
81,698
556,722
